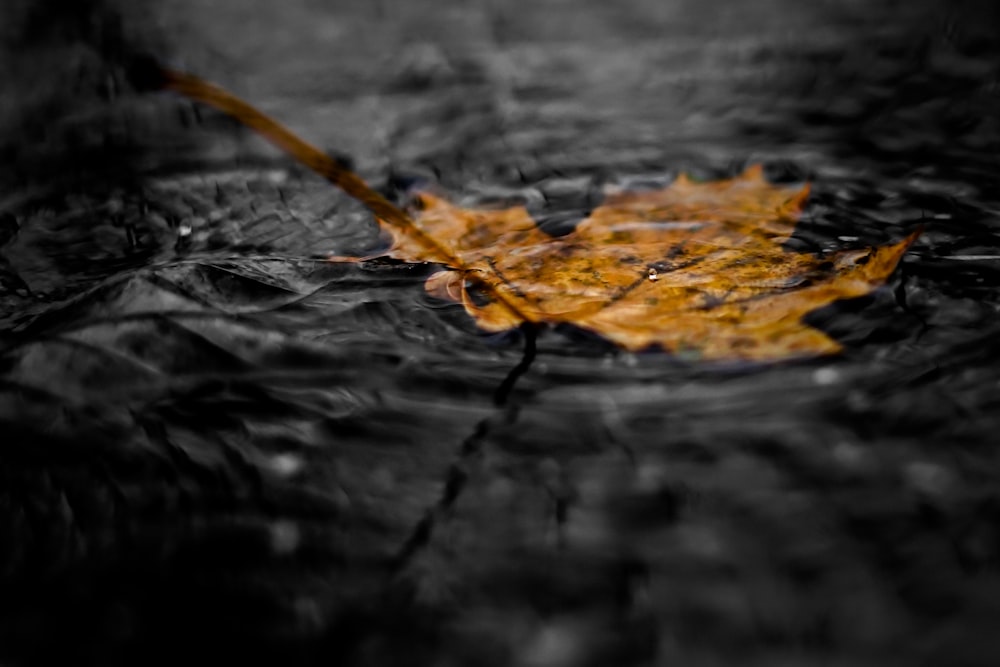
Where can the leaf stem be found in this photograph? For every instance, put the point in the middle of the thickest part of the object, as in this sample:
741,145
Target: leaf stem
196,88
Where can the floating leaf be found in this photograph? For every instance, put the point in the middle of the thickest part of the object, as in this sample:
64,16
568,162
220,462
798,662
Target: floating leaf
698,269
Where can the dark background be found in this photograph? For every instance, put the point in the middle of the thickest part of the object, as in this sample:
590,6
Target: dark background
214,445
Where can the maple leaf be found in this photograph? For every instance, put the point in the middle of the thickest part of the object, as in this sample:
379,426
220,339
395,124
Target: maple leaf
698,269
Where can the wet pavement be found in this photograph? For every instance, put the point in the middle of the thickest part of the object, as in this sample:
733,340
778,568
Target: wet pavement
216,445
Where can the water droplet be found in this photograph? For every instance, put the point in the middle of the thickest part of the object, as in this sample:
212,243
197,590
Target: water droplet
826,376
554,645
285,537
286,465
849,456
184,230
653,274
927,478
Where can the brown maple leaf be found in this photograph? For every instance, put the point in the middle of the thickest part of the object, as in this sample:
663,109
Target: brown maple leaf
696,268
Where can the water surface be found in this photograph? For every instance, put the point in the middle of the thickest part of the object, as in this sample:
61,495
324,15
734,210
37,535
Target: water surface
212,437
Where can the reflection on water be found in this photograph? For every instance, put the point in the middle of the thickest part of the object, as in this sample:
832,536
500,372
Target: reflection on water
213,437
